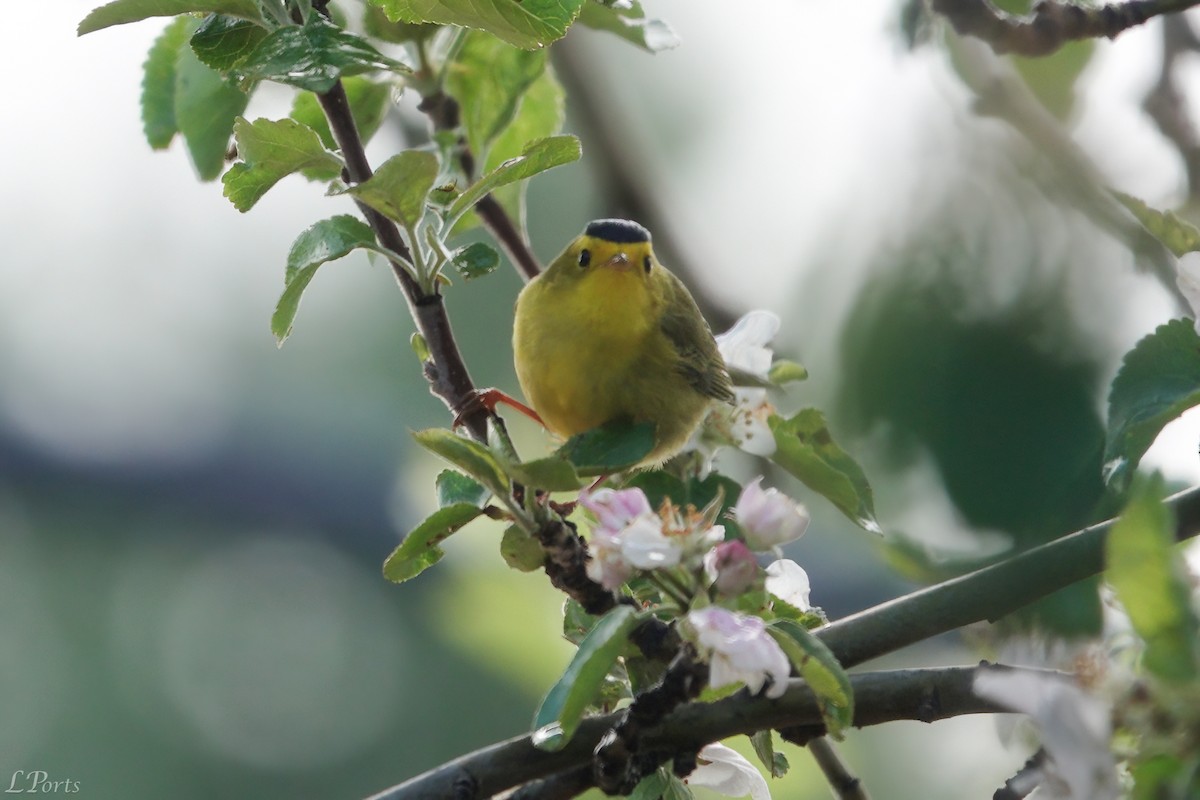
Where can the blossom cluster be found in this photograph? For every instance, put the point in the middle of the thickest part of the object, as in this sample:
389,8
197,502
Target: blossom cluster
629,537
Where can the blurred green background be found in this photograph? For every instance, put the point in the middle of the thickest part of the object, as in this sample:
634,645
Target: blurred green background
192,521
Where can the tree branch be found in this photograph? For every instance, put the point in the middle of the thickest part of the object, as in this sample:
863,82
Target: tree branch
844,784
986,594
446,371
924,694
1166,105
1052,24
442,110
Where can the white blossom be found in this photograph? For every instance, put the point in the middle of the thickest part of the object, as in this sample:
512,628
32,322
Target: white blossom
727,771
629,536
739,650
744,425
769,518
788,581
1075,728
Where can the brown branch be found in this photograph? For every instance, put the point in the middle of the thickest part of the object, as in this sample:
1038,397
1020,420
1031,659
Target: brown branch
1052,24
446,371
1167,106
443,112
1028,778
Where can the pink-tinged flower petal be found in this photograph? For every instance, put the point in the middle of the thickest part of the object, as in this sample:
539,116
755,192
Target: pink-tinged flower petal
732,567
769,518
739,650
726,771
616,509
607,566
788,581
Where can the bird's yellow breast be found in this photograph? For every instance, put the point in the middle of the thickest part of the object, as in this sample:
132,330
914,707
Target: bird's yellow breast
577,344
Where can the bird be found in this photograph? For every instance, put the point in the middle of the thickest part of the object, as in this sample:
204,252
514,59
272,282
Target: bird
608,333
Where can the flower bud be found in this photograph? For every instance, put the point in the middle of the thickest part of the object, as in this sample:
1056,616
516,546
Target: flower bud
732,567
769,518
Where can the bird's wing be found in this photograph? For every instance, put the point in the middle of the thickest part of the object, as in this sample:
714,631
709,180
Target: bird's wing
699,361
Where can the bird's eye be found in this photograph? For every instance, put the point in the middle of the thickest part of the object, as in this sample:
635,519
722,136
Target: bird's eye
647,264
585,257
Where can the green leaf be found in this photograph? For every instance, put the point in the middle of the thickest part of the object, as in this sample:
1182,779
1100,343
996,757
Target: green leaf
537,156
630,23
524,23
553,474
121,12
475,260
560,712
820,670
609,448
270,151
1150,580
158,84
398,188
454,487
1179,235
576,622
1159,380
466,454
326,240
378,26
314,56
541,114
805,448
521,551
488,79
764,747
223,42
783,372
419,551
369,103
651,787
206,106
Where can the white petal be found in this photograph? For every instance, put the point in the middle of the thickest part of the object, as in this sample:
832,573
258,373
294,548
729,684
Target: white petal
744,345
788,581
729,773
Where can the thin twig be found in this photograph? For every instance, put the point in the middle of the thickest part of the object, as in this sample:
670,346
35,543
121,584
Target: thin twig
1052,24
1025,781
1167,106
446,370
844,784
443,112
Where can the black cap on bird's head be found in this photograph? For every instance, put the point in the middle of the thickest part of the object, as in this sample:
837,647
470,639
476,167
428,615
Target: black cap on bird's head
617,231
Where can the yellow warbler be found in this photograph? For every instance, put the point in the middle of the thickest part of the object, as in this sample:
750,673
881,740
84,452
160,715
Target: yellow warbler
607,333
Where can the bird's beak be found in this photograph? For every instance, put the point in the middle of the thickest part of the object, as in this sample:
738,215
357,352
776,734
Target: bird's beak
618,262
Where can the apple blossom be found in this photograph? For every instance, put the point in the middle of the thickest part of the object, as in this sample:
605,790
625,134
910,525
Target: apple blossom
769,518
739,650
726,771
788,581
